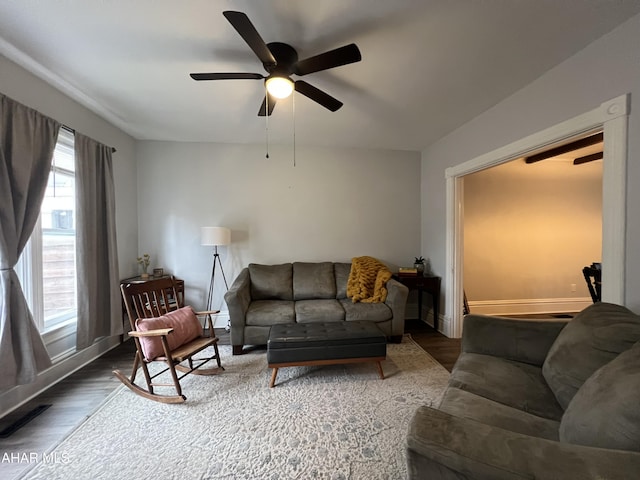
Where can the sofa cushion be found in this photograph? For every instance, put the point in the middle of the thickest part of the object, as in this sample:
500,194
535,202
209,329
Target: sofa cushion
342,271
328,310
269,312
313,280
469,405
604,412
592,339
515,384
185,324
374,312
271,282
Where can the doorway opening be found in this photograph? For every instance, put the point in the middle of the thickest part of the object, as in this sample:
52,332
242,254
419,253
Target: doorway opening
610,118
530,227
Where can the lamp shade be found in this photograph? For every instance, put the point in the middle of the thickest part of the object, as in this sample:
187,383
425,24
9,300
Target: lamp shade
215,236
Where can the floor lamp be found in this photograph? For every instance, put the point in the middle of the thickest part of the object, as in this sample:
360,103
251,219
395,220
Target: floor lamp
215,236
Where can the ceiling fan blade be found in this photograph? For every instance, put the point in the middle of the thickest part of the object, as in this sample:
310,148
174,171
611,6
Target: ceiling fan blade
567,148
249,34
588,158
333,58
263,107
318,96
226,76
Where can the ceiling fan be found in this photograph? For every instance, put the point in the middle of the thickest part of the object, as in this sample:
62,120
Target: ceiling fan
281,61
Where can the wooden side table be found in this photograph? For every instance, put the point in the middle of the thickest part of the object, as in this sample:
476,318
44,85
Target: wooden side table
139,279
429,284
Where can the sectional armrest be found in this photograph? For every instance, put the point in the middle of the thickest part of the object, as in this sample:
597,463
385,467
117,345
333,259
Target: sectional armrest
397,294
525,341
238,298
476,450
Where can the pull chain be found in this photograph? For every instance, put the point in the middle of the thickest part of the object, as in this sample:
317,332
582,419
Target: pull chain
266,114
294,129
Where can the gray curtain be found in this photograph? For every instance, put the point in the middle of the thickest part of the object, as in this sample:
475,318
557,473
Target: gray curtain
27,141
99,304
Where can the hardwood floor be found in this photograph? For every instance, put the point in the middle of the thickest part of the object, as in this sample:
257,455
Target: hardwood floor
445,350
76,397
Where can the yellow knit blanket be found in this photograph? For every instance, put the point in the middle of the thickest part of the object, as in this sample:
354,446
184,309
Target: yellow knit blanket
367,280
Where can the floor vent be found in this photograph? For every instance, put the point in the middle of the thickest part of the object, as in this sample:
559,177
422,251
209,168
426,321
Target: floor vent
22,421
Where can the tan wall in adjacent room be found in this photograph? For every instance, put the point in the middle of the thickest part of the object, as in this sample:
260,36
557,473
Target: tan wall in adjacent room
528,232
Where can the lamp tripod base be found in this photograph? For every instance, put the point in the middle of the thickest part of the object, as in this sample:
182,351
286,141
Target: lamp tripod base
216,259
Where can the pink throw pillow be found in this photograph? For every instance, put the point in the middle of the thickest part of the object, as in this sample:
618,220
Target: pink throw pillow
185,324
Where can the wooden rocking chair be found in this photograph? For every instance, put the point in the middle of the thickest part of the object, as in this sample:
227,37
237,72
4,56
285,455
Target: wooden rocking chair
166,331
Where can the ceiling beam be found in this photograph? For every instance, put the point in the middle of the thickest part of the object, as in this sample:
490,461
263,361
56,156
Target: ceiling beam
589,158
569,147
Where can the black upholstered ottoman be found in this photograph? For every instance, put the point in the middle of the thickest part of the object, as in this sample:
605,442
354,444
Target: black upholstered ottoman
296,344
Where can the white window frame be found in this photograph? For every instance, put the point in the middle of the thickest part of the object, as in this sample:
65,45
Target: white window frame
30,268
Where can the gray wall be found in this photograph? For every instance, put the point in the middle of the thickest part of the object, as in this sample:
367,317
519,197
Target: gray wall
604,70
334,204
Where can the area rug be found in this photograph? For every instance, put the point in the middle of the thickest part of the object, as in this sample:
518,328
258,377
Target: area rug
326,422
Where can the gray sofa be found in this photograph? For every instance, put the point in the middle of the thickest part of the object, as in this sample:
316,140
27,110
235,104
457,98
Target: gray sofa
537,399
264,295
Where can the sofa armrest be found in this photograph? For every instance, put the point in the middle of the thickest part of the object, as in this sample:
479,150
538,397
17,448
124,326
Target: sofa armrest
238,298
525,341
397,294
472,449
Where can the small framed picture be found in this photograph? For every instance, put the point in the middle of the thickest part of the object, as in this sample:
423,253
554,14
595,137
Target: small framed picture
158,272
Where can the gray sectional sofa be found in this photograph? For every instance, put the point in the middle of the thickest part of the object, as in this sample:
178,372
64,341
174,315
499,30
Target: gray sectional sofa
536,399
264,295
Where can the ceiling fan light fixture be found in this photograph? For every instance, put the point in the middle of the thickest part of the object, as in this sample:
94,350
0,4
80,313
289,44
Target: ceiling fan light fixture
279,87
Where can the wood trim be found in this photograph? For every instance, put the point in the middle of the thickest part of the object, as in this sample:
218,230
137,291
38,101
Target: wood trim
529,306
584,124
614,208
612,118
454,264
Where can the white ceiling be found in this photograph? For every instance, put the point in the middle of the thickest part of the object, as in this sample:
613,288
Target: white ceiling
428,66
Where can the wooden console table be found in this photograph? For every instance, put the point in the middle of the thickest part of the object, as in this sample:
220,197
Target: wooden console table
139,279
429,284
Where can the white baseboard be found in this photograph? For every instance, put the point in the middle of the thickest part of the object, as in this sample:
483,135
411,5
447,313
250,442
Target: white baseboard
444,326
529,306
19,395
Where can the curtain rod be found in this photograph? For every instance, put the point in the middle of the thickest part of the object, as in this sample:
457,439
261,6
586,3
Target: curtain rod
72,130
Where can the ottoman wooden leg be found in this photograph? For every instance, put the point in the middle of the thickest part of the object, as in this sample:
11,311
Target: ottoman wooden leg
380,371
274,373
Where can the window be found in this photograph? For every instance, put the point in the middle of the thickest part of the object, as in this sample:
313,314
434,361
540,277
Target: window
47,267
